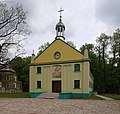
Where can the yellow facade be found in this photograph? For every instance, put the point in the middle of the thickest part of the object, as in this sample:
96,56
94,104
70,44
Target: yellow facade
67,53
66,75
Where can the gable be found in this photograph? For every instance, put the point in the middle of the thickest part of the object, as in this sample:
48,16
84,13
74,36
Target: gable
58,51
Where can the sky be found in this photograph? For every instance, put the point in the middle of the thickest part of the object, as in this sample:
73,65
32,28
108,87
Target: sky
84,20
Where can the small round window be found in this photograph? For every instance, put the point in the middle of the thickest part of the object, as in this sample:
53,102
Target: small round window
57,55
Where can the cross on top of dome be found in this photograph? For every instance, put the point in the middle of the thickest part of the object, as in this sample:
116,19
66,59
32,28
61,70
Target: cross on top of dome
60,12
60,27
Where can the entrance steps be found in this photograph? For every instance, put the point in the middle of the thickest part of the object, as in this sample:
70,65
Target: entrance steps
49,96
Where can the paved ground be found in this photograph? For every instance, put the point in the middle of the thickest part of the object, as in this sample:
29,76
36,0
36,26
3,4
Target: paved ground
106,98
56,106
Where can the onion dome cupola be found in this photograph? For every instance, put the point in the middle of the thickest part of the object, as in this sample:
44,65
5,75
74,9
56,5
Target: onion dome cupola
60,27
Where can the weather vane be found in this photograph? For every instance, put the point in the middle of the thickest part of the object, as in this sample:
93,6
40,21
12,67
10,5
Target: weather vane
60,12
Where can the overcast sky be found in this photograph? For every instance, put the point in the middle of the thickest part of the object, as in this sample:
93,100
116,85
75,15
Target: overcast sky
84,20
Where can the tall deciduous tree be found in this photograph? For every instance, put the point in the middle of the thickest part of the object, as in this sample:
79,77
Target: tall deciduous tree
114,76
101,48
13,27
115,44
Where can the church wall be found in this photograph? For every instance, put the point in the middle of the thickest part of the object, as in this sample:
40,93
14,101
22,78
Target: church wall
68,75
66,78
47,62
86,71
77,76
31,78
47,78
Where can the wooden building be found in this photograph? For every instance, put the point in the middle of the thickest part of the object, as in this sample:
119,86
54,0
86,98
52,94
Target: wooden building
8,81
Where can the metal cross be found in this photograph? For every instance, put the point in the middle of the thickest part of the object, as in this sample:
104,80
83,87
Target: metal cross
60,11
33,51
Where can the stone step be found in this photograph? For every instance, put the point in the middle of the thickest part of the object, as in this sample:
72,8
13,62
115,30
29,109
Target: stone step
49,96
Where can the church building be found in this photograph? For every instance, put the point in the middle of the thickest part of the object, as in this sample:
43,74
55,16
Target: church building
61,69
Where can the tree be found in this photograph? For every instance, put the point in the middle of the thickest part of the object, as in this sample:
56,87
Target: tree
101,49
114,76
115,47
71,43
13,28
103,42
21,66
43,47
90,48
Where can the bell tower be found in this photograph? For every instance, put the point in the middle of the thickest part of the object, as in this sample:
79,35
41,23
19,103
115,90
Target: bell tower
60,27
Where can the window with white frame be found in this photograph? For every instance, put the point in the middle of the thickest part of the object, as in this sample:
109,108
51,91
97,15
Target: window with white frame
38,84
38,69
76,84
76,67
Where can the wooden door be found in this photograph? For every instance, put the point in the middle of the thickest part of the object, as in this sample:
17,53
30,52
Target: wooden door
56,86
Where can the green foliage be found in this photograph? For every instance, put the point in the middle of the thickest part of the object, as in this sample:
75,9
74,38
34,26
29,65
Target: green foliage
14,95
105,62
90,48
71,43
93,97
43,47
21,66
113,96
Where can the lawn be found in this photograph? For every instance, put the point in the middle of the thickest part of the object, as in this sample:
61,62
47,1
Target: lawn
93,97
26,95
113,96
15,95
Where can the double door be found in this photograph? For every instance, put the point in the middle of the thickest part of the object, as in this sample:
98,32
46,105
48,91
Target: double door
56,86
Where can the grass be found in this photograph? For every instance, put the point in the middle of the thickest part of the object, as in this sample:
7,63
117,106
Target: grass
93,97
113,96
26,95
15,95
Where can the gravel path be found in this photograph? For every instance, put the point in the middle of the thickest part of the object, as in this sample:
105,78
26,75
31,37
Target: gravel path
56,106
